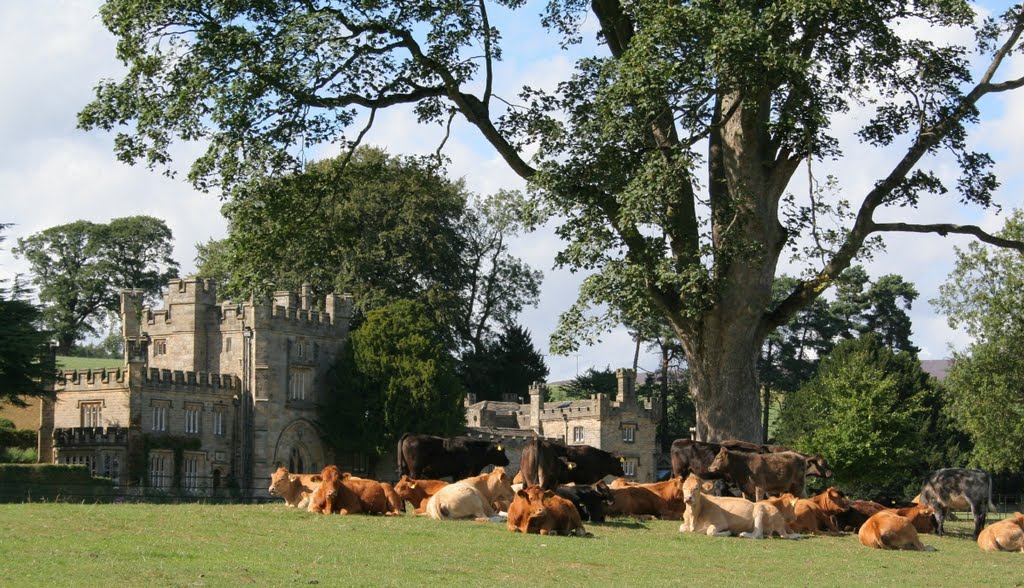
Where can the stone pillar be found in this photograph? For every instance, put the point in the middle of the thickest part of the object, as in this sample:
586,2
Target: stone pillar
306,298
538,392
627,386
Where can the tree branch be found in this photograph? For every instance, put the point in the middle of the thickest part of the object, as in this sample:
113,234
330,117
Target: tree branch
944,229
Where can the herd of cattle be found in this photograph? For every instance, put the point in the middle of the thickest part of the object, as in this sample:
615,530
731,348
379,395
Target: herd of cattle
559,486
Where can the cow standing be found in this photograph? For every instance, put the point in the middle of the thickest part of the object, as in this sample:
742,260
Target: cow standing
432,457
548,463
756,474
943,486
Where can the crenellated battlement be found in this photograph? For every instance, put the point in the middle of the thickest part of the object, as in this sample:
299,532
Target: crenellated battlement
191,381
87,436
92,377
190,290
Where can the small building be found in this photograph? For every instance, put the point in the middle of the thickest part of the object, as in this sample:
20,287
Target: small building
623,425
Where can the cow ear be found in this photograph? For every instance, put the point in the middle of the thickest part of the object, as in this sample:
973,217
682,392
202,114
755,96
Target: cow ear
500,448
548,494
293,478
622,460
412,485
792,502
522,493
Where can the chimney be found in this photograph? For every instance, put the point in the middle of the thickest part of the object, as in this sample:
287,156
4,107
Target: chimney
538,392
627,385
306,298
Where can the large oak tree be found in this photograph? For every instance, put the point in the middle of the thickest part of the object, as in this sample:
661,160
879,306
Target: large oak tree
666,155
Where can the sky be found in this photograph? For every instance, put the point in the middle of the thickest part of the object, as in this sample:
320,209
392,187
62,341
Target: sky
53,52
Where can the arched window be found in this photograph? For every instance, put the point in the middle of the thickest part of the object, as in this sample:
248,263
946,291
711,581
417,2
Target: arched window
296,464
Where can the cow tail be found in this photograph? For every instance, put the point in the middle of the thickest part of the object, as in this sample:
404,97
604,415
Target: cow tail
991,507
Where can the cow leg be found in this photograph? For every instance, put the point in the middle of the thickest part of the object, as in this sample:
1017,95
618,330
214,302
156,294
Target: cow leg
939,518
979,513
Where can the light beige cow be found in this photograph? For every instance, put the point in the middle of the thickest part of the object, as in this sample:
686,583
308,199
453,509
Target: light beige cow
723,516
1005,535
295,489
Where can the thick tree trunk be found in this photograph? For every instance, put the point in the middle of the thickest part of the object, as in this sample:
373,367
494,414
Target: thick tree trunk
723,382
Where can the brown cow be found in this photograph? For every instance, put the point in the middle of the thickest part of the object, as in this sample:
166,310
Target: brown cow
535,510
660,499
294,488
344,494
758,473
786,504
417,492
858,514
888,530
1005,535
919,515
817,514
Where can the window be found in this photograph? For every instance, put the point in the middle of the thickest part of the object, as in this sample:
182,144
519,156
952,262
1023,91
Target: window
160,415
192,469
82,459
218,421
92,414
299,383
227,344
629,467
159,346
629,433
192,412
161,464
577,434
111,466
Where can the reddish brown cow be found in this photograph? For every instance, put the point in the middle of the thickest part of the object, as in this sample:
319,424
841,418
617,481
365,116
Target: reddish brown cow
660,499
858,514
817,514
343,494
534,510
417,492
888,530
919,515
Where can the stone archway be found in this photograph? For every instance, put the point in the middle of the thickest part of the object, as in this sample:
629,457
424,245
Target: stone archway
299,448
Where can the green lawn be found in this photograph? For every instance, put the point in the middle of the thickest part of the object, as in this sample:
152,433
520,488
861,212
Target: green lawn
84,363
203,545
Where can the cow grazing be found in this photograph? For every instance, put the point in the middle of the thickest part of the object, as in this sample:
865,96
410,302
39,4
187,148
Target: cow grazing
548,463
589,500
723,516
857,514
1005,535
344,494
660,499
888,530
427,456
943,486
295,489
535,510
817,514
417,492
756,474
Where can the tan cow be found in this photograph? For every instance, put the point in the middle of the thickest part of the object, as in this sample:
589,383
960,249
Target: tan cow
459,501
495,486
919,515
817,514
660,499
535,510
724,516
888,530
1005,535
417,492
294,488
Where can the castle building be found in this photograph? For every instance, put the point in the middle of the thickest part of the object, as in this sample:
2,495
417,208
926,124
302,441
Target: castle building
212,394
623,426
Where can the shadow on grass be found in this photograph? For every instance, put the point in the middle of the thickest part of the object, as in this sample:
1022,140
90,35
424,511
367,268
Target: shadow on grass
622,524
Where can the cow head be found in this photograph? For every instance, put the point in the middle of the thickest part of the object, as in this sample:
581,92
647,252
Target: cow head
720,463
604,492
495,454
500,485
535,496
818,467
692,488
279,481
837,498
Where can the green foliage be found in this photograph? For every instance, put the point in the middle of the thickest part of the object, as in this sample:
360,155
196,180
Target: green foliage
592,381
80,269
394,377
86,363
507,365
867,411
15,438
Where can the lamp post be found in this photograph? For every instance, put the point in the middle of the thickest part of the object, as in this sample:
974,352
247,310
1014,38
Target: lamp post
565,419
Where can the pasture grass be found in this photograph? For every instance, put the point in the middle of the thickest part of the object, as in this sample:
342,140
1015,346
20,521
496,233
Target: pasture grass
59,544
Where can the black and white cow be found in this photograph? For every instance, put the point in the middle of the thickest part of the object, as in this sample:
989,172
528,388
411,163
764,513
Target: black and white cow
943,486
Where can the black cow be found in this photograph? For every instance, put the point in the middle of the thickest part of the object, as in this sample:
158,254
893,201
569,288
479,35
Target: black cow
588,500
430,457
690,456
548,463
942,486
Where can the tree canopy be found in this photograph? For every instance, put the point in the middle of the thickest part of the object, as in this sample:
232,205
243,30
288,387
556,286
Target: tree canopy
81,267
665,156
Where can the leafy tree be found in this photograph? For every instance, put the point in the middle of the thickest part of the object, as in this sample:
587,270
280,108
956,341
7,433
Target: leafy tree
865,410
616,150
592,381
394,377
382,228
985,294
507,366
26,365
80,269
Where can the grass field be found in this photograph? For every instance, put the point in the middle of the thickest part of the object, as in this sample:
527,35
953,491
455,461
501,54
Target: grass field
58,544
84,363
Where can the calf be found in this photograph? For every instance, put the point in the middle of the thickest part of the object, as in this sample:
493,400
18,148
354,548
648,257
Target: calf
888,530
589,500
417,492
660,499
294,488
535,510
1006,535
722,516
943,486
817,514
756,474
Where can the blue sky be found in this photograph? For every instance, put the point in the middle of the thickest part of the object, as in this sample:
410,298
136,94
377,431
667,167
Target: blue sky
53,52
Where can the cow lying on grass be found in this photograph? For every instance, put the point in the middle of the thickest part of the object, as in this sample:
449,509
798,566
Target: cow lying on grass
724,516
295,489
888,530
471,498
817,514
345,494
1005,535
660,499
417,492
535,510
590,500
